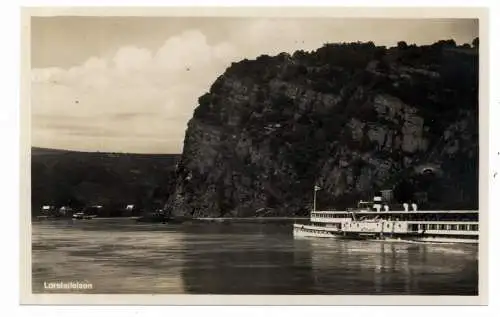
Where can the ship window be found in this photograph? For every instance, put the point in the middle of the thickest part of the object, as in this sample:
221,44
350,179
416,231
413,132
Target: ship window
432,227
388,225
441,227
462,227
448,227
473,227
454,227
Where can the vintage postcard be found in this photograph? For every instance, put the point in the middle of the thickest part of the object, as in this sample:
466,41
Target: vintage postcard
267,156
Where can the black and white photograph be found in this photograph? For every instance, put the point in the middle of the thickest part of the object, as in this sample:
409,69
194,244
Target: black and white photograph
255,154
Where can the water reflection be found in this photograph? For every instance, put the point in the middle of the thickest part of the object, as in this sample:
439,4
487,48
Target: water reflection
119,256
240,259
361,267
116,258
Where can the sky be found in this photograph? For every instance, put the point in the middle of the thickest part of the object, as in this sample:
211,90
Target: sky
131,84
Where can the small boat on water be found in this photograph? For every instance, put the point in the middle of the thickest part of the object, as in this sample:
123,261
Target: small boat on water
161,216
81,215
373,220
155,217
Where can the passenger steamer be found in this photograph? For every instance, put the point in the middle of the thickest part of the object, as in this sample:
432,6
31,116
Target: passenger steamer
373,220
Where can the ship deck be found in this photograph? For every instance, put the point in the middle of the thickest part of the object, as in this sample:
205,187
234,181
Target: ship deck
397,211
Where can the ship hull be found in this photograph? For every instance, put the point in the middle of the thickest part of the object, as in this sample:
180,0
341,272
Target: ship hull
310,231
84,217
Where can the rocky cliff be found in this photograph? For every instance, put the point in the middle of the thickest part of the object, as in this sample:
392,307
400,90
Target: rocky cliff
351,118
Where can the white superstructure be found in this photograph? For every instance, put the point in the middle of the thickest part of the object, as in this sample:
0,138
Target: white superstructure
375,220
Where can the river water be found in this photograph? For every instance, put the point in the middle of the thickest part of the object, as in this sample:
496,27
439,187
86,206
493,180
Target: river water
124,257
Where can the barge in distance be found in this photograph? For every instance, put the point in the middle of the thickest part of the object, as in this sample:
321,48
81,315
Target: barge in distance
373,220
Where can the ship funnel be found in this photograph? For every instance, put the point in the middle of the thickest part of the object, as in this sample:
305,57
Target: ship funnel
414,207
387,195
405,205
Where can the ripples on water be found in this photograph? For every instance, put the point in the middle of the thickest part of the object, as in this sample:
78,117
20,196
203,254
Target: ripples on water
122,256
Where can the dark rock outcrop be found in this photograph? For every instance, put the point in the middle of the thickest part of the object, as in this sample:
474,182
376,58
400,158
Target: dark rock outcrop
352,118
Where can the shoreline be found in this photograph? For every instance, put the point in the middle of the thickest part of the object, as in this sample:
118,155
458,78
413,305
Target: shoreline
248,218
196,220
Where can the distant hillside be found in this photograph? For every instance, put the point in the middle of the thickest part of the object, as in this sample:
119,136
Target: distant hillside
110,179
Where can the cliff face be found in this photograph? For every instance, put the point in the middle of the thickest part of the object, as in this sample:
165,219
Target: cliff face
352,118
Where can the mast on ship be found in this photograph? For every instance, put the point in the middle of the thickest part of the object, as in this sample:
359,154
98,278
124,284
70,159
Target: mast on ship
316,188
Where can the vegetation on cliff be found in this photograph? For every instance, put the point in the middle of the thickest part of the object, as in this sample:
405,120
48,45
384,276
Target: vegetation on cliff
353,118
